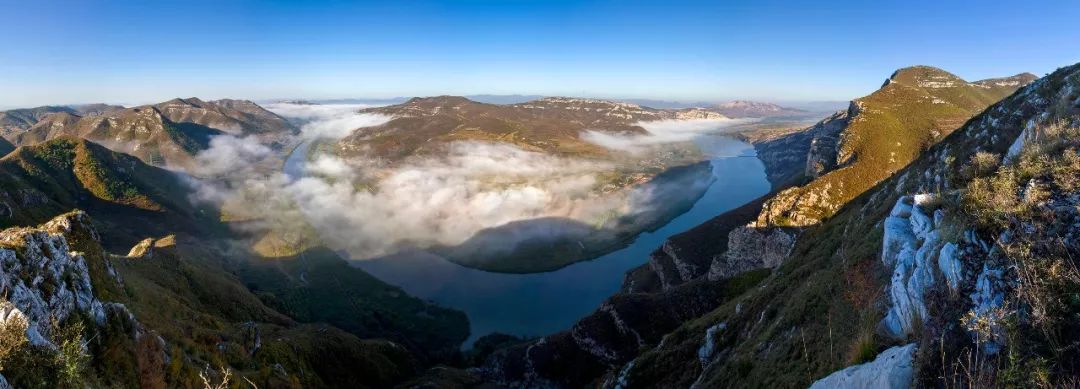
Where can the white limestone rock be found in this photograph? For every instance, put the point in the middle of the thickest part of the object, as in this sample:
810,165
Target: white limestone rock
44,279
893,368
708,347
949,264
987,301
911,246
897,237
921,224
902,207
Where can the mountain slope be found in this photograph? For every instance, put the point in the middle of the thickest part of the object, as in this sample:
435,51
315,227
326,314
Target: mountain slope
165,134
722,251
18,120
824,307
237,117
52,177
884,131
203,299
162,316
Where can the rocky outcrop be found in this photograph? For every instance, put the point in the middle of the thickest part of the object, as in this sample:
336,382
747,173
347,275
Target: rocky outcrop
674,267
824,153
892,369
791,156
751,248
47,276
914,248
43,278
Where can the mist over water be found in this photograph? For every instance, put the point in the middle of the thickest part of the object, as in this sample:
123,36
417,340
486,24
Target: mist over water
449,198
369,211
543,303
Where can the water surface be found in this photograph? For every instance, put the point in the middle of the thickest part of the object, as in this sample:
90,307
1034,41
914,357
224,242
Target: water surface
543,303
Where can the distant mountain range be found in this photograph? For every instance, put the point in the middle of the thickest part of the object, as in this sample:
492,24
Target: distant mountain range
164,134
793,108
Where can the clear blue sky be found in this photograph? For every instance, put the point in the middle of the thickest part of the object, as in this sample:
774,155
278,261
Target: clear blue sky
145,51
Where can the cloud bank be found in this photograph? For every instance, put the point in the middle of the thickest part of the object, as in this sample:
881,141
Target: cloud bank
328,120
660,132
424,202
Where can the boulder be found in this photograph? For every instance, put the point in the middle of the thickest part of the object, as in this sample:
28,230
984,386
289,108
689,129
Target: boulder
893,368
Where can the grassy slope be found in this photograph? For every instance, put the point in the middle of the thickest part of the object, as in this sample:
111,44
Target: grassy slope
818,311
318,286
207,315
128,199
189,294
893,126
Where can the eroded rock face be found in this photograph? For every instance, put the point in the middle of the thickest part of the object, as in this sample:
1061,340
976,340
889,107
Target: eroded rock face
824,147
751,248
44,279
913,247
893,368
673,267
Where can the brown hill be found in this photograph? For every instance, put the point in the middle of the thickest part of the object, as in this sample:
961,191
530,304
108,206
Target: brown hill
166,134
550,125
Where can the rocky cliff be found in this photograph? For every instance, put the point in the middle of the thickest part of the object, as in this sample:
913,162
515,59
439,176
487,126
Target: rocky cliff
949,241
880,134
54,278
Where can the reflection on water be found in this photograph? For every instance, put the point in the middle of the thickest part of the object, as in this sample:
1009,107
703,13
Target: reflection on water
543,303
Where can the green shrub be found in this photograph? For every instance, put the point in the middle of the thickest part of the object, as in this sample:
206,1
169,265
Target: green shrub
12,337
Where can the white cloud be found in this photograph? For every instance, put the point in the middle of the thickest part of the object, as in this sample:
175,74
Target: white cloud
328,120
660,132
423,202
230,154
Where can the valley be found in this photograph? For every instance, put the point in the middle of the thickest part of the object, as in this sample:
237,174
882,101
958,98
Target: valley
923,235
531,305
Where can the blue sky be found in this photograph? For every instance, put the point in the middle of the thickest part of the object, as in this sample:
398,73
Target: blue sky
146,51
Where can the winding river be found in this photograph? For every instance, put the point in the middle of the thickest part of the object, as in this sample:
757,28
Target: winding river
543,303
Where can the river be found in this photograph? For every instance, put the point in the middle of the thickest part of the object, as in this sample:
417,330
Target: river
542,303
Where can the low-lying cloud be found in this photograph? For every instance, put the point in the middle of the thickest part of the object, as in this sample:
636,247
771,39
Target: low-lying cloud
328,120
660,132
230,155
423,202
